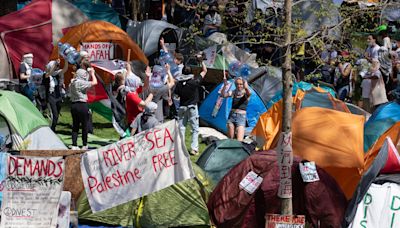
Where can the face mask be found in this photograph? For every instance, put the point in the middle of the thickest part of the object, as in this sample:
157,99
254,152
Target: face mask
29,61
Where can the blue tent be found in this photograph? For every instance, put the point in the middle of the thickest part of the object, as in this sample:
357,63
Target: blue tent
254,109
380,121
98,11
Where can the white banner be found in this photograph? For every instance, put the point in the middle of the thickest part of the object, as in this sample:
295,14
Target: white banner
99,50
64,206
135,167
380,207
32,190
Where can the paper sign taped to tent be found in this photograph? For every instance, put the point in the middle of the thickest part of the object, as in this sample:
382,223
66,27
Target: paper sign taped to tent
308,171
135,167
285,221
99,50
251,182
32,191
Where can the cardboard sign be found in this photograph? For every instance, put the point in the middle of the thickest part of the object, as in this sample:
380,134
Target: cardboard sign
285,221
99,50
32,191
251,182
308,171
64,206
135,167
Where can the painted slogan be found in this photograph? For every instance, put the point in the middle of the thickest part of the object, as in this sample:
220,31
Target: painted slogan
99,50
31,192
135,167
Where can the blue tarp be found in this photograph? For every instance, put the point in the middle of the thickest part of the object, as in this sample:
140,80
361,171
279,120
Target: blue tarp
98,11
380,121
255,108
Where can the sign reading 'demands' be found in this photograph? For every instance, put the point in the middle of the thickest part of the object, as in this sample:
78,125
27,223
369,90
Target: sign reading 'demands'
31,192
135,167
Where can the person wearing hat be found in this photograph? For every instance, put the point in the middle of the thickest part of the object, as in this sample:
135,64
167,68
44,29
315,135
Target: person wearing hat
79,86
25,70
187,89
145,120
54,83
212,21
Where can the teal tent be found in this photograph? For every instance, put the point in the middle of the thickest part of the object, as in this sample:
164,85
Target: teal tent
221,156
98,11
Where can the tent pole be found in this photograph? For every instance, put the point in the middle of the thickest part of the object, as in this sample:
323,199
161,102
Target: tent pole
286,143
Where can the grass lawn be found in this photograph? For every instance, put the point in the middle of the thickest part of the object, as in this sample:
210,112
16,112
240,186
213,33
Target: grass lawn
104,132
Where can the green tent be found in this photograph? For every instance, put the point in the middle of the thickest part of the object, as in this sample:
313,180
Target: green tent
183,204
23,124
219,157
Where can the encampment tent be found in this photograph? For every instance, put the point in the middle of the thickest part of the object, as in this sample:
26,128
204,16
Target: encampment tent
322,201
376,200
24,126
217,117
98,11
182,204
381,120
101,31
268,84
147,35
220,156
34,29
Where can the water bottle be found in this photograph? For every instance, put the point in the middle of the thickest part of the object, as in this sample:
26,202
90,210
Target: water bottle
158,76
166,58
234,68
245,71
68,52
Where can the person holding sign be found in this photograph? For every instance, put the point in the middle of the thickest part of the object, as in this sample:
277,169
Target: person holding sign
240,99
79,86
188,91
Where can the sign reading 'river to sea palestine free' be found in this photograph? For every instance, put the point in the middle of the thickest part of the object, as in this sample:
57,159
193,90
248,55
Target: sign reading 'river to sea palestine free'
31,192
135,167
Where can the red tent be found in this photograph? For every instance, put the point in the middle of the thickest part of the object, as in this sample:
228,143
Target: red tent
34,29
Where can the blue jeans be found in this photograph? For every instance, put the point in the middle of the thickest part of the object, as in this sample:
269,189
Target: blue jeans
189,114
237,119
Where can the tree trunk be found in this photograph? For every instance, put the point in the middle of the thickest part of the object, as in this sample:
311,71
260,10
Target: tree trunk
135,5
286,206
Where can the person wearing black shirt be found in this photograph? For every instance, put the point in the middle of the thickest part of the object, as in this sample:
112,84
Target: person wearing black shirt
188,91
240,99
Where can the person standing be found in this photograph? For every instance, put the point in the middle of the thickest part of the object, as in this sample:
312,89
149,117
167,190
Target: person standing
343,75
25,70
378,91
54,82
372,49
240,99
79,107
145,120
187,89
212,21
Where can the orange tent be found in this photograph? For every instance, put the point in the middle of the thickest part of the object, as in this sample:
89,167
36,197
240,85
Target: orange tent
334,140
100,31
269,124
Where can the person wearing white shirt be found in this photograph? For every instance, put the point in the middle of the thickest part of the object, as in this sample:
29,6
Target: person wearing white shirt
373,48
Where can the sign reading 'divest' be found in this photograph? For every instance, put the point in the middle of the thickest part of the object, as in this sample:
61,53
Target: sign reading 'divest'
99,50
31,193
285,221
135,167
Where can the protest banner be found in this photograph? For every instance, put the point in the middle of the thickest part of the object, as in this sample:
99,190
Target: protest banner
31,193
135,167
285,221
211,54
98,50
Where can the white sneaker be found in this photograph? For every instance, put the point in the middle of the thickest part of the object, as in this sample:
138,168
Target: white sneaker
85,148
75,148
